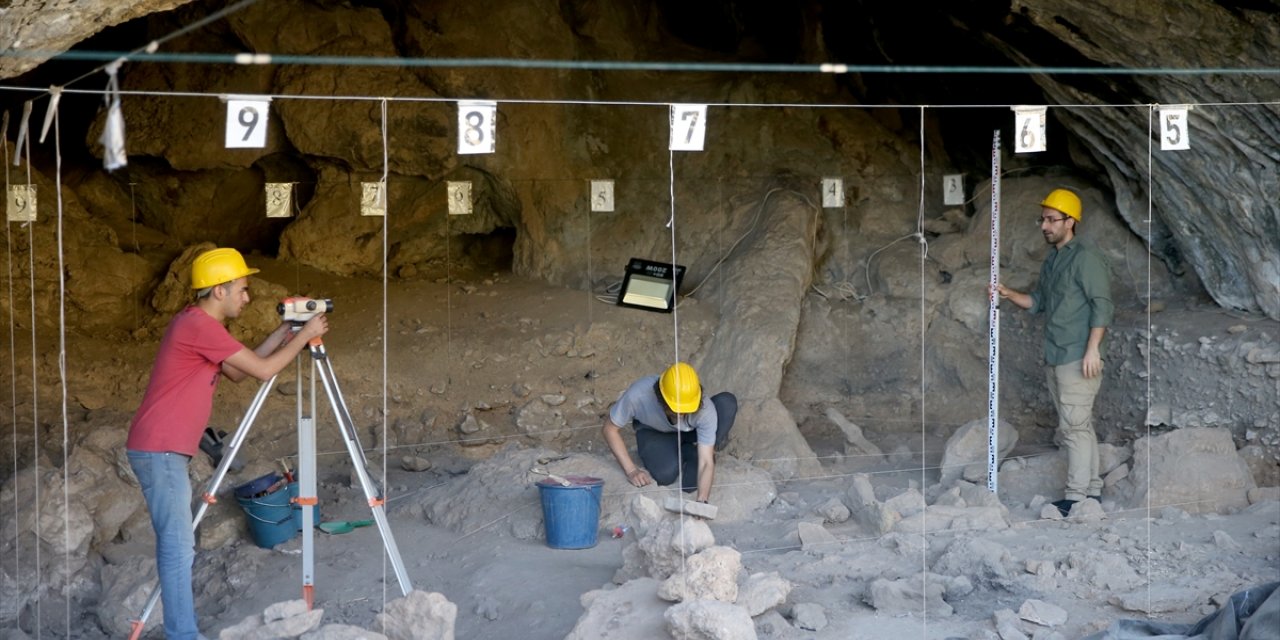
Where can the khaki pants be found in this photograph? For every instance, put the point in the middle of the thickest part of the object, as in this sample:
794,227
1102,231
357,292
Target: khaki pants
1073,396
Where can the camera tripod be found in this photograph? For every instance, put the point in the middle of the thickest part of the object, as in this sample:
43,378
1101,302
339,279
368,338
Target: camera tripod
306,473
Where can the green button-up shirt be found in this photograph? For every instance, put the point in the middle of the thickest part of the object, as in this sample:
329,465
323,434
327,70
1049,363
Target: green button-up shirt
1074,292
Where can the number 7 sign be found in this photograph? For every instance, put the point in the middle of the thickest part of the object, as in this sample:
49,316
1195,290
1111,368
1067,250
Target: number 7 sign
688,127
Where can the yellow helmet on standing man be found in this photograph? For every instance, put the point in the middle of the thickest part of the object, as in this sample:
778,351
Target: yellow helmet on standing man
217,266
680,388
1065,201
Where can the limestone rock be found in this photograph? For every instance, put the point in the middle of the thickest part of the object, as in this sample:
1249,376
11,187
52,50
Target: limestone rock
418,616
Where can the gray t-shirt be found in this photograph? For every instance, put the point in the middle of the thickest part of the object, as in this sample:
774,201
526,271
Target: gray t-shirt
640,407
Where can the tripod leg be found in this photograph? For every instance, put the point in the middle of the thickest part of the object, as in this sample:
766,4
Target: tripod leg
211,491
348,429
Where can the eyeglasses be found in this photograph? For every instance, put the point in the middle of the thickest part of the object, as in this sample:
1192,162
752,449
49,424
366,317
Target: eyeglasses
1050,220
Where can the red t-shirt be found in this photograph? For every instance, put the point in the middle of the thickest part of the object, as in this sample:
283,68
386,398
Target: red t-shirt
179,398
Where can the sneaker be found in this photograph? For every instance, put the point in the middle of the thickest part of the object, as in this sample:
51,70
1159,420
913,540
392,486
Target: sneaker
1064,506
1097,498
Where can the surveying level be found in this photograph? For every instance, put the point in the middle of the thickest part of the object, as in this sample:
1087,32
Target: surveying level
300,310
304,308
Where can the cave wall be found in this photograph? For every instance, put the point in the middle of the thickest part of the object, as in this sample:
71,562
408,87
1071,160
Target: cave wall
1214,222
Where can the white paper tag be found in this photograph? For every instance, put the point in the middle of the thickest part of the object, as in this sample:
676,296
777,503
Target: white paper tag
247,123
688,127
112,139
1028,129
21,205
459,198
602,196
953,189
832,193
476,129
279,199
1175,134
373,199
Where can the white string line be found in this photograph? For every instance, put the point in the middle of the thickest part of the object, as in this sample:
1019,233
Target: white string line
1147,354
924,586
675,329
590,279
35,390
62,370
511,436
951,532
386,321
13,351
624,103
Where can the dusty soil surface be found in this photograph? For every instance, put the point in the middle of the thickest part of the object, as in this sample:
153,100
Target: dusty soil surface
484,345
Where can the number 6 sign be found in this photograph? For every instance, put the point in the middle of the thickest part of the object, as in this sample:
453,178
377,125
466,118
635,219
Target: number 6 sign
1028,135
247,123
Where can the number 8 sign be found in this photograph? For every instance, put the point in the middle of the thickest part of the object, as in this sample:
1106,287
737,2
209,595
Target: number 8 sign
475,127
247,123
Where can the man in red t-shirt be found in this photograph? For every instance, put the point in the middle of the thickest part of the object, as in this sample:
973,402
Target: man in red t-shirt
165,433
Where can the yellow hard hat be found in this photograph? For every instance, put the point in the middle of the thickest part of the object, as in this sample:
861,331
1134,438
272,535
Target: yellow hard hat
217,266
680,388
1065,201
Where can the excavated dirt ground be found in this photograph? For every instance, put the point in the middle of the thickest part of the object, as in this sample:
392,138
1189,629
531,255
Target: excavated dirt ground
487,342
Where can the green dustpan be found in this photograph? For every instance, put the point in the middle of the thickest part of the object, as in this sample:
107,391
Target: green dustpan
342,526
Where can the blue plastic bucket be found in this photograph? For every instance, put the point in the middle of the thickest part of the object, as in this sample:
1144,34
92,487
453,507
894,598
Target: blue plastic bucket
297,509
268,510
572,513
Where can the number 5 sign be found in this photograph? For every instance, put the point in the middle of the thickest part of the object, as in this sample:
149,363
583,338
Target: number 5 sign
688,127
1173,129
247,123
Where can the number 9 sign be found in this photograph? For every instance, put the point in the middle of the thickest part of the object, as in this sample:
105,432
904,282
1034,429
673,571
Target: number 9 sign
247,123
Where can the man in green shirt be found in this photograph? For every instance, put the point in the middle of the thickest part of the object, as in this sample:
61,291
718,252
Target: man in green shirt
1074,293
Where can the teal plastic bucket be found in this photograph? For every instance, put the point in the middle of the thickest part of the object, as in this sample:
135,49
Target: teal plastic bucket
267,509
297,509
572,513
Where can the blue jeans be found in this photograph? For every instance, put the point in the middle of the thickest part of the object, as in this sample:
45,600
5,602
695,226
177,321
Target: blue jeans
167,490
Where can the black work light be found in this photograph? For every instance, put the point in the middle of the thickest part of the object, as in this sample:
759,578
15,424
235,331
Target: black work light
650,285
